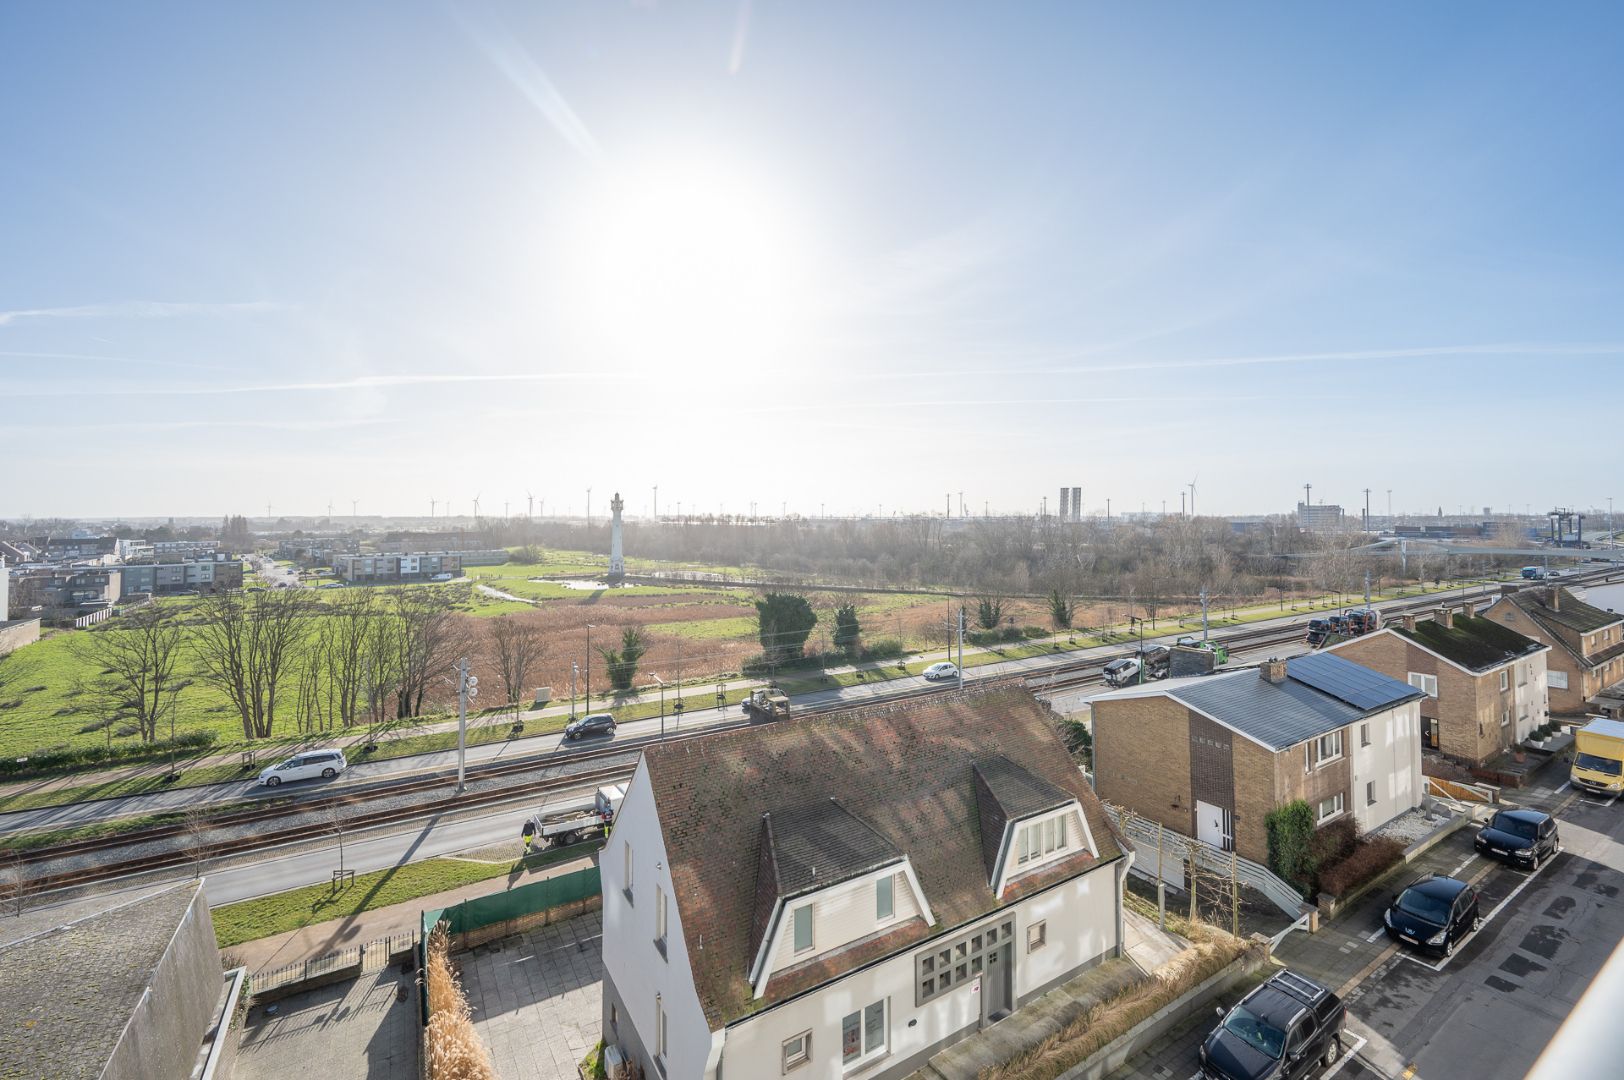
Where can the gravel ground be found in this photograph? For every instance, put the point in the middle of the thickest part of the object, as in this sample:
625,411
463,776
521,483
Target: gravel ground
1410,826
519,783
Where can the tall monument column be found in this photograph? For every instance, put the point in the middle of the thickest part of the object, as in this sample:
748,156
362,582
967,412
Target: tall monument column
617,559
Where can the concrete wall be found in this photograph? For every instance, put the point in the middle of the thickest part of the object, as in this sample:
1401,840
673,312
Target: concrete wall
1390,765
165,1032
14,635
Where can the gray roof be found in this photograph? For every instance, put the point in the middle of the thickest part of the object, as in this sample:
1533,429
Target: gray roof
813,847
1019,793
68,993
1321,693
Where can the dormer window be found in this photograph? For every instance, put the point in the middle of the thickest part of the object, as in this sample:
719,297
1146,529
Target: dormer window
1039,839
885,898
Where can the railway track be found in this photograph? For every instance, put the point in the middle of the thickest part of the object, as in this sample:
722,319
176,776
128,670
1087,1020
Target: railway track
1060,677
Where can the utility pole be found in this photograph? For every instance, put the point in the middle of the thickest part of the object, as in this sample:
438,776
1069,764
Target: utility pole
353,504
1367,588
589,628
961,504
467,688
1182,511
432,504
949,512
1203,614
1308,494
1192,498
657,503
1367,509
589,508
961,647
1389,507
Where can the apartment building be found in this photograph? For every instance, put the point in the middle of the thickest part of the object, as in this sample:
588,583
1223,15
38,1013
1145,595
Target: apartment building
383,569
198,575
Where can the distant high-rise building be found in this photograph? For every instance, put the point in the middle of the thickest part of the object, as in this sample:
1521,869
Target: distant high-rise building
1065,504
1319,517
1076,504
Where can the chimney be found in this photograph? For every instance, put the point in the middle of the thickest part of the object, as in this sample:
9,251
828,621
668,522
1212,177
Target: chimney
1273,670
1444,617
1468,610
1553,598
1408,618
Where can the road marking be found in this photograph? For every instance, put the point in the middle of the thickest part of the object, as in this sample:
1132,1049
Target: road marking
1343,1060
1512,895
1376,933
1563,788
1469,860
1409,1071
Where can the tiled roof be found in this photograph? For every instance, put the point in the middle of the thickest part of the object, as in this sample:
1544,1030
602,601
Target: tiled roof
1006,792
904,768
1571,611
1475,643
808,848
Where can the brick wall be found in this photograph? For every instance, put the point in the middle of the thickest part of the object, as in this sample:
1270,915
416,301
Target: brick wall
1142,759
1467,707
1581,685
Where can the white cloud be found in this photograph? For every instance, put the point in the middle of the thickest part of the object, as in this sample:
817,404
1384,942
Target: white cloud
136,309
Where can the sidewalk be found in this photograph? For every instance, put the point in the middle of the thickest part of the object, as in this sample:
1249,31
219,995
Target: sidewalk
319,939
346,740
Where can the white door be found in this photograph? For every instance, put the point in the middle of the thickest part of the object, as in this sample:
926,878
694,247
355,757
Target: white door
1213,825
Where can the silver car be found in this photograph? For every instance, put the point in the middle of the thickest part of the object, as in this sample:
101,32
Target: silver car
308,766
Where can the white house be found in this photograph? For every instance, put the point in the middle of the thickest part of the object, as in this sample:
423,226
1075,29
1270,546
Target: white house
849,894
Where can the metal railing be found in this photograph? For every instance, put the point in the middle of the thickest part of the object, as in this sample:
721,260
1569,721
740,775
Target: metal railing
371,956
1176,849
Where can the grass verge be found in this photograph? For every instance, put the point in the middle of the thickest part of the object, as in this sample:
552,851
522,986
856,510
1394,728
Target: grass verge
264,916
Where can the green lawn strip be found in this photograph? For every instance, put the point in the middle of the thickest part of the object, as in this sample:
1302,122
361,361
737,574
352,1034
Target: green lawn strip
250,920
95,830
134,785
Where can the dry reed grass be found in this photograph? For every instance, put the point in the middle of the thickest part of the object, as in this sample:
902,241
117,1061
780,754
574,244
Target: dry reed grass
455,1051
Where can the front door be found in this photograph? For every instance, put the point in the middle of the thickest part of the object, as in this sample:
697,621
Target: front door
1214,825
1431,723
996,982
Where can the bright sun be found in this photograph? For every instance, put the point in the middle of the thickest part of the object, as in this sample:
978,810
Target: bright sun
690,270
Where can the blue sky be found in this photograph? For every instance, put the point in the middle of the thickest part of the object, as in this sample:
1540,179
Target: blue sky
824,254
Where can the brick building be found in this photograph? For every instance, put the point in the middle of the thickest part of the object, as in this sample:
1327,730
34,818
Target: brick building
1587,643
1485,683
383,569
1211,756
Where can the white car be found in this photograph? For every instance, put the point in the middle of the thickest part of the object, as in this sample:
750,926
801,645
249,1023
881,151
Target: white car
942,670
324,763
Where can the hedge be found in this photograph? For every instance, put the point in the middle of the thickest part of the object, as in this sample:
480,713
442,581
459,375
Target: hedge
72,757
1371,857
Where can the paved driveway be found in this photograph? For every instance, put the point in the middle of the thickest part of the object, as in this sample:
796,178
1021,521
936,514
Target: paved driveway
355,1029
537,998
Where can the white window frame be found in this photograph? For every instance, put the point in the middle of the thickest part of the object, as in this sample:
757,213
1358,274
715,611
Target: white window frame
793,1058
1364,734
1339,806
1505,679
885,888
1556,679
659,913
1370,793
1428,684
866,1052
795,927
660,1031
628,866
1321,758
1042,840
1505,716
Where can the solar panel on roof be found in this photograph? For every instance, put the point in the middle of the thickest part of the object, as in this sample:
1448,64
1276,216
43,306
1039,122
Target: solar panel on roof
1350,682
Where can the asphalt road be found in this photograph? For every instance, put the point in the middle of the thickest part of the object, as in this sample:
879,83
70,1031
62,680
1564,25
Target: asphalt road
1488,1011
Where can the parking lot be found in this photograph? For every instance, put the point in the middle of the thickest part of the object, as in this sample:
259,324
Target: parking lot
1489,1010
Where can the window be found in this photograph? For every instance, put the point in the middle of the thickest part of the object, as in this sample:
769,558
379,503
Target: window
1037,936
1427,684
659,918
885,897
628,886
803,928
797,1050
659,1032
1040,838
1505,717
1556,680
1505,679
862,1034
945,967
1364,734
1370,793
1328,748
1330,808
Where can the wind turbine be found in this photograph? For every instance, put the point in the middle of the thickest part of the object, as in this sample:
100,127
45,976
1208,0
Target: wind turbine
353,504
529,506
1192,493
476,511
432,504
504,509
329,509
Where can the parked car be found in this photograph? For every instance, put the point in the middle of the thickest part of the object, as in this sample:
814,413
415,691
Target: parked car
1434,913
1521,837
942,670
592,724
323,763
1188,642
1121,671
1279,1031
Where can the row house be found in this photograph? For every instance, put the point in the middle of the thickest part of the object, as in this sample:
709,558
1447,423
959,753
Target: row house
1586,643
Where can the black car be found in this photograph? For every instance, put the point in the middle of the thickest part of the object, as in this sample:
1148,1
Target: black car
1279,1031
1522,837
1434,913
592,724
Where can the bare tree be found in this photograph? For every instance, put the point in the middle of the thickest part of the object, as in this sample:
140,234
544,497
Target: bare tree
196,838
16,882
139,665
248,645
428,639
518,645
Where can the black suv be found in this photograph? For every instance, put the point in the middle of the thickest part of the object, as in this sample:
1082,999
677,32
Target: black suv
593,724
1434,913
1279,1031
1522,837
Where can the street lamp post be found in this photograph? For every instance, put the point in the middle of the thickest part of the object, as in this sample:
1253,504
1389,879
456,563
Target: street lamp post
661,683
575,675
1137,622
589,628
467,688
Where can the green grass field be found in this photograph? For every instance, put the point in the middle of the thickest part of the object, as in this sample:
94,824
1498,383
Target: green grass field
265,916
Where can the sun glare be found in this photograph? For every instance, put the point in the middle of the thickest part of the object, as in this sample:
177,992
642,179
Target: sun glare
688,268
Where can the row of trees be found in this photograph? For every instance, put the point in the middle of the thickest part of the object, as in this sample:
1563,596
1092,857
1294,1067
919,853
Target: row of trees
366,657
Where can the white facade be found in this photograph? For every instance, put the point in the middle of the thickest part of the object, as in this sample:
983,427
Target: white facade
1384,764
1053,935
1532,694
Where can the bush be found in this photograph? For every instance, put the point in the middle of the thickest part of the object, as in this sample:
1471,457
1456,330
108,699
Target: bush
1370,857
455,1051
61,758
1291,836
1334,842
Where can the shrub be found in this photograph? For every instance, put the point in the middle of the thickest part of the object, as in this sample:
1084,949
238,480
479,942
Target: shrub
61,757
1334,842
455,1051
1291,834
1370,857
